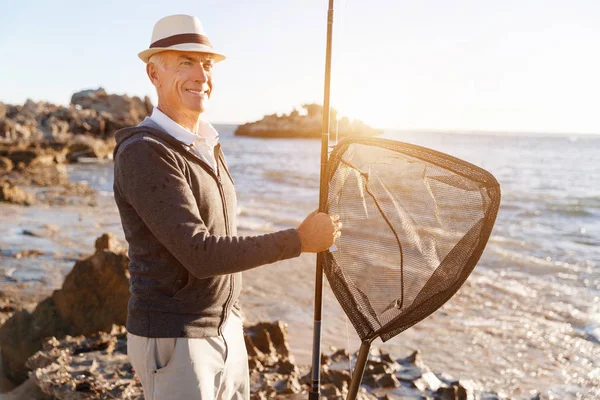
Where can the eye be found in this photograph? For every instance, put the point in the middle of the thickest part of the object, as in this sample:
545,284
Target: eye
208,65
189,63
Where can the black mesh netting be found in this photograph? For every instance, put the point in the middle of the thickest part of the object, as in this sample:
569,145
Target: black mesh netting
415,222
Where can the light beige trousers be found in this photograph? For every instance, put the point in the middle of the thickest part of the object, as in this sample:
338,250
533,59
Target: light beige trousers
212,368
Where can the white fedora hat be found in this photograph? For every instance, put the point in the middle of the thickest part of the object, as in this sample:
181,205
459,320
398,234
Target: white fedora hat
179,32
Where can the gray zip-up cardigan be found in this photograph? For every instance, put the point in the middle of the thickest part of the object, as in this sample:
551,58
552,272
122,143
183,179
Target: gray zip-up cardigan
179,217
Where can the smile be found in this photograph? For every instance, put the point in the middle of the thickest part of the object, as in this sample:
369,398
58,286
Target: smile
198,92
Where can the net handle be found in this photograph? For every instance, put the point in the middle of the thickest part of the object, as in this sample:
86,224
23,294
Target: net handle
359,369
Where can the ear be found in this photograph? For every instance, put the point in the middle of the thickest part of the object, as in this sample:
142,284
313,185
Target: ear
153,74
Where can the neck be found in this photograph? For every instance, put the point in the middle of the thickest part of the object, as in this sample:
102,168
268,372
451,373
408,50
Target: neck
189,120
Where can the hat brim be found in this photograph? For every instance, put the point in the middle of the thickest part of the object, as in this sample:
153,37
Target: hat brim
199,48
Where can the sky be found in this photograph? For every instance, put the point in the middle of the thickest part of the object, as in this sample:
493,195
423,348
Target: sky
511,65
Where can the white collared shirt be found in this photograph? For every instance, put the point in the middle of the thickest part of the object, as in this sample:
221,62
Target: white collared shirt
202,143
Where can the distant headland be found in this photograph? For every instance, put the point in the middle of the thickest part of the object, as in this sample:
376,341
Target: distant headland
304,124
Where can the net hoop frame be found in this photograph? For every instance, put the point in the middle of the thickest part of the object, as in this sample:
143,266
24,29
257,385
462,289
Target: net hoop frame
483,178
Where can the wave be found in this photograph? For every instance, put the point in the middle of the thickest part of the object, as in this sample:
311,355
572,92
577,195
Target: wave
292,177
533,263
592,331
570,210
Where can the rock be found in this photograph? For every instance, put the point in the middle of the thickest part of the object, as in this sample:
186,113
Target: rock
414,359
34,155
119,111
13,299
287,385
401,393
108,242
70,193
51,175
54,129
463,390
148,104
381,367
267,342
447,393
411,367
10,193
42,160
430,381
339,378
44,231
87,96
339,356
12,131
272,370
32,253
41,165
371,380
287,368
409,373
363,394
27,390
24,158
93,297
309,125
387,381
92,112
466,389
87,122
94,367
87,146
6,164
330,391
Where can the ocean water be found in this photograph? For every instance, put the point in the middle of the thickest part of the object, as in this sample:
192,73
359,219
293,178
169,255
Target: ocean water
526,321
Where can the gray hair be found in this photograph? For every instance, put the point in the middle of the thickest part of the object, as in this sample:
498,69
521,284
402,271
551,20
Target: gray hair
158,60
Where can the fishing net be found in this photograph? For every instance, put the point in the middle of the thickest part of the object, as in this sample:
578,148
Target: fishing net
415,222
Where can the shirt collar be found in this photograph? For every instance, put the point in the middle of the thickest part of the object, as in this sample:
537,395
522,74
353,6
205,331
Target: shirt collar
205,129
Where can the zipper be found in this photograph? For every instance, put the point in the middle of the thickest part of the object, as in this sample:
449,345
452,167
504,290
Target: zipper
231,280
222,157
221,190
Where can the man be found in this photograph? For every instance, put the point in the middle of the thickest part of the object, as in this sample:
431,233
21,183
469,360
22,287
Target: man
177,204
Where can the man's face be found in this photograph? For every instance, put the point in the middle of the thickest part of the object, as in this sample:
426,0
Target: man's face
185,80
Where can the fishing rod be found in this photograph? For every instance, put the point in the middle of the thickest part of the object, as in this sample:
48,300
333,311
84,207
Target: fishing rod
315,391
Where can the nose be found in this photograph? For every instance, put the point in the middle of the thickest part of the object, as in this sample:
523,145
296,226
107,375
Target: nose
200,74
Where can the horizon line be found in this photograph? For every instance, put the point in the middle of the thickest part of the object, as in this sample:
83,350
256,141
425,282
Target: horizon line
490,132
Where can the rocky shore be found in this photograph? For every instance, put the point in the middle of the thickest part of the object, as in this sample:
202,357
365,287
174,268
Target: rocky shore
91,112
37,139
72,345
96,367
305,124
